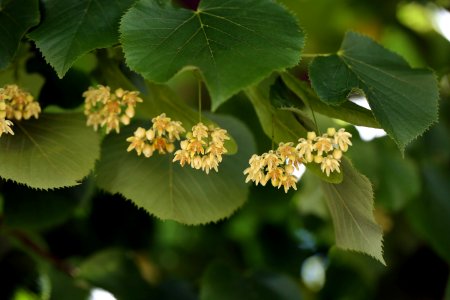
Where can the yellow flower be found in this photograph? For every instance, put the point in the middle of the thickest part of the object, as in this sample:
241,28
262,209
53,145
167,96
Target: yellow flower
160,137
305,149
323,144
137,141
329,164
287,152
203,147
109,109
255,172
5,127
288,182
200,131
342,139
17,104
271,160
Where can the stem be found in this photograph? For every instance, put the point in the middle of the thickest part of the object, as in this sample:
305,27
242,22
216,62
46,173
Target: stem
315,54
315,120
56,262
199,100
273,133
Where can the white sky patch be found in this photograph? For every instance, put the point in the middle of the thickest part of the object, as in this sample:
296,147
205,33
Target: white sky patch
298,172
101,294
441,22
313,272
367,133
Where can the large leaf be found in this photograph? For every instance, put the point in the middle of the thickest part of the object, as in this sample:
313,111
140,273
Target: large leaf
403,100
16,17
72,28
351,207
169,191
56,150
233,43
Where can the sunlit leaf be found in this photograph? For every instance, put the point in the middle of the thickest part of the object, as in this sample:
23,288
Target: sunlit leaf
169,191
56,150
233,43
16,17
351,206
403,100
71,28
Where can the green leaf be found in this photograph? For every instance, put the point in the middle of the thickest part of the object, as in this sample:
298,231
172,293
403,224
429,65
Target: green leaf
55,151
348,111
221,282
351,207
169,191
233,43
72,28
16,17
403,100
282,126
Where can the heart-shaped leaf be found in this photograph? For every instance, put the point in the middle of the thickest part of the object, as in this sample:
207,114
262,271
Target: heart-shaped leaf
169,191
233,43
72,28
54,151
403,100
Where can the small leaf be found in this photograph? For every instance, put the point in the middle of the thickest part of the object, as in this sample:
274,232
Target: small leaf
16,17
233,43
351,207
282,125
169,191
55,151
72,28
403,100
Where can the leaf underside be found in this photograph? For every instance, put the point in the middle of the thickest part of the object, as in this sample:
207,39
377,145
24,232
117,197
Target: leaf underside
351,207
233,43
55,151
403,100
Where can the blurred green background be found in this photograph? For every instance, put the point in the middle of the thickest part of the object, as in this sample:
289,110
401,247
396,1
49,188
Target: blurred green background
69,243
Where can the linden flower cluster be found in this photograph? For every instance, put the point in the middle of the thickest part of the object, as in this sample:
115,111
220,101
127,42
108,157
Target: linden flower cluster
16,104
326,150
203,148
278,166
160,137
106,109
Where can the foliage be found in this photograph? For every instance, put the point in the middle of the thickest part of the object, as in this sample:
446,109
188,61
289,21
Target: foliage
78,211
